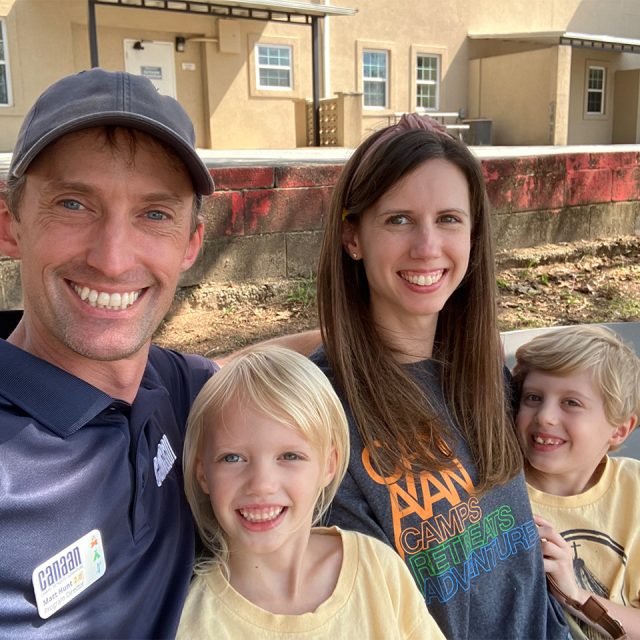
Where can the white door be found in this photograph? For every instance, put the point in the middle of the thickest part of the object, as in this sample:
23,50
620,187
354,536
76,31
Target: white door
153,60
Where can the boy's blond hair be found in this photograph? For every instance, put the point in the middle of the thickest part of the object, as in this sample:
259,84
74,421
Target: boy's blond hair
614,365
285,386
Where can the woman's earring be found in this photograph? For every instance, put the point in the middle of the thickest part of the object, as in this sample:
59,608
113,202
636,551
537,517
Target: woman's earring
354,255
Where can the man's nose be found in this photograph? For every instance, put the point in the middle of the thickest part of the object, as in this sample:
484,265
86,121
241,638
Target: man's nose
113,248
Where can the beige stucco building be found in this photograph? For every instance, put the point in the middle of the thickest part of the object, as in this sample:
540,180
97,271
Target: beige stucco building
253,73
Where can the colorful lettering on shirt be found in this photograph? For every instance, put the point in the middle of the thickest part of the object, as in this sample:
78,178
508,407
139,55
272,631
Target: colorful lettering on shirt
455,541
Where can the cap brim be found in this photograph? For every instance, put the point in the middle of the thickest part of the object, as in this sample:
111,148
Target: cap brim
200,175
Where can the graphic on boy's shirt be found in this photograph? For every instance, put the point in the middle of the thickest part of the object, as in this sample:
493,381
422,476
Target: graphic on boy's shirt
456,541
602,545
586,543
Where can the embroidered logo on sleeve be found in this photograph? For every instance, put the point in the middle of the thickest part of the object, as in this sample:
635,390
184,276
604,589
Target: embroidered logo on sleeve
68,573
164,460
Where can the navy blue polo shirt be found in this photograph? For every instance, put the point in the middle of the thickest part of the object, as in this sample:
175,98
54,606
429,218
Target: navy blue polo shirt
74,460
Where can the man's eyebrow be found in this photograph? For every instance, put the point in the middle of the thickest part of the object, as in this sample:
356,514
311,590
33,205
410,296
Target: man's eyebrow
66,185
163,196
87,188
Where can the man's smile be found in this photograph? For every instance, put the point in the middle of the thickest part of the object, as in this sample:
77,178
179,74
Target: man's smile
104,300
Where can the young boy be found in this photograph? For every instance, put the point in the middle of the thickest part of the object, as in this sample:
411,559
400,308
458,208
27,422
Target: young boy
579,392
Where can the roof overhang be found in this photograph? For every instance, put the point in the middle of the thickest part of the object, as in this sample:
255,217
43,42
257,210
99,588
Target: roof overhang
284,11
586,40
303,8
251,9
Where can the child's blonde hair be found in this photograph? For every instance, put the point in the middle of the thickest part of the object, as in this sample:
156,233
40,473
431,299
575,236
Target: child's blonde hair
282,385
615,367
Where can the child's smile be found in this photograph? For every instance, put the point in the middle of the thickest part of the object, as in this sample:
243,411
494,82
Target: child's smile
263,478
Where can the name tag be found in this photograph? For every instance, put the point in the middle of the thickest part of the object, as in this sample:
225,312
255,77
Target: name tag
68,573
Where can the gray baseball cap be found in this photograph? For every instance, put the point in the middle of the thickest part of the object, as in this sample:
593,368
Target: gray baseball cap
96,98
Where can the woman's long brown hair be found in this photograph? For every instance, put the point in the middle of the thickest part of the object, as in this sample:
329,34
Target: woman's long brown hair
396,420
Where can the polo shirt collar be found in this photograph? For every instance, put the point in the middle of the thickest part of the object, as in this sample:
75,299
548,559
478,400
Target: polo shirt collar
57,399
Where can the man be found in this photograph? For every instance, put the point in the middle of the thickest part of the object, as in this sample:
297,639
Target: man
101,207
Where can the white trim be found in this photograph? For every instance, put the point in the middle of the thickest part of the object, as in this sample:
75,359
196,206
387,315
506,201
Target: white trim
588,90
5,64
384,80
632,42
259,67
435,82
302,8
588,40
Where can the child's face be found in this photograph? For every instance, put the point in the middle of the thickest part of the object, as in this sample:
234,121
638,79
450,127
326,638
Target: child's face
263,479
563,430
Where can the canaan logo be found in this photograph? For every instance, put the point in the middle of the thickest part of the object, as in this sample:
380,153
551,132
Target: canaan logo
163,460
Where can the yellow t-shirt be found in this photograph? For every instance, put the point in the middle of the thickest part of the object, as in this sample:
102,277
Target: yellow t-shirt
375,597
602,527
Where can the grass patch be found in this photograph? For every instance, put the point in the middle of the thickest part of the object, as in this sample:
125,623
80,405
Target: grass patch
303,293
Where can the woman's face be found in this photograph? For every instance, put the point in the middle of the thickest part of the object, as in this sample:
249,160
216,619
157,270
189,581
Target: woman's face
414,243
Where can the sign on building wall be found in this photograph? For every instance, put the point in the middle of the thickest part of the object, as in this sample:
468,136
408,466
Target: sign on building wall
153,60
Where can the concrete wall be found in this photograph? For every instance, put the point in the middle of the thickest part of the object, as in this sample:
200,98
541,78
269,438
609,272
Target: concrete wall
619,17
518,91
584,128
266,222
564,198
626,110
242,116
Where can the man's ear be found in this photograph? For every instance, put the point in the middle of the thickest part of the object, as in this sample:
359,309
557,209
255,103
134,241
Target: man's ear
622,432
8,232
350,239
195,243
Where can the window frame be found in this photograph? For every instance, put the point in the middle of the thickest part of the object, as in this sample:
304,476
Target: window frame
588,90
259,66
436,83
366,79
4,63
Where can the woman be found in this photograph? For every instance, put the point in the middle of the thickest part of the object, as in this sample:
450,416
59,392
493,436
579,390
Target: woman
407,307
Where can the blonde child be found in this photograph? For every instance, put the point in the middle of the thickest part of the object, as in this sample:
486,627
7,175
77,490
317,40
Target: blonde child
266,448
579,393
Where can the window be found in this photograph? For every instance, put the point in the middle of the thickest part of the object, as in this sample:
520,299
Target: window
595,90
5,92
375,76
427,81
274,67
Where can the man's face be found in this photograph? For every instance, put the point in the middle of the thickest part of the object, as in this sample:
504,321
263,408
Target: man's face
103,235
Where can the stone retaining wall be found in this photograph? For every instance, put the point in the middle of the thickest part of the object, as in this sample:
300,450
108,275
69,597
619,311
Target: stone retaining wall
266,223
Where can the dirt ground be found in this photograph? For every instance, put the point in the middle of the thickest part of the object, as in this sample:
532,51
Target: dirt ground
549,285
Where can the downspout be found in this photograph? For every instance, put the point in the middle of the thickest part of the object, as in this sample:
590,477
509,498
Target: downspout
93,35
315,61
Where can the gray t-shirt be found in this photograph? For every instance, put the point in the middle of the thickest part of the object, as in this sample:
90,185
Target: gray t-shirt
476,560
